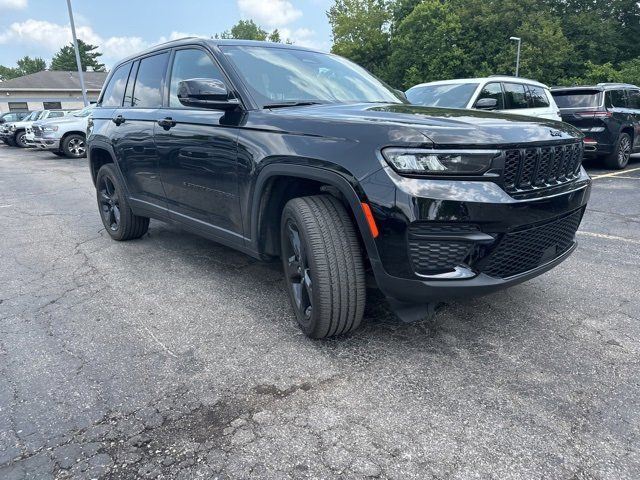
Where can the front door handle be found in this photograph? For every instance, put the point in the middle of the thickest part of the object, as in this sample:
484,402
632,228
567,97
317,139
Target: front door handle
167,123
118,120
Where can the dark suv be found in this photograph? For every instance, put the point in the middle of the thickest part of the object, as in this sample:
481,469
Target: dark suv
280,151
608,115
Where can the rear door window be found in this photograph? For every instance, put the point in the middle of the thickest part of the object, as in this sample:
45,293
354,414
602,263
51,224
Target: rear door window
515,96
617,98
114,91
493,90
538,97
634,99
147,92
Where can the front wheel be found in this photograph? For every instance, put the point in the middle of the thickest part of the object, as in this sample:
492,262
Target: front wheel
323,266
20,139
74,146
117,217
619,158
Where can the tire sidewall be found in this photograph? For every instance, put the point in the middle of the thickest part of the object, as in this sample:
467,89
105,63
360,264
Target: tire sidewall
109,172
619,146
309,327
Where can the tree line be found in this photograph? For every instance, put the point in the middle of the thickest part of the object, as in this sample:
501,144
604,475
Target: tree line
64,59
564,42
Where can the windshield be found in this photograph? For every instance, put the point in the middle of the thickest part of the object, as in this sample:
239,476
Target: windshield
448,95
577,98
85,112
276,75
32,116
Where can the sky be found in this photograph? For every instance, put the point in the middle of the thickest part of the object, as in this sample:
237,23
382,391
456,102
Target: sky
123,27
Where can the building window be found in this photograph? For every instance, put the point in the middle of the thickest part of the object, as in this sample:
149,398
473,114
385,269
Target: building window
18,106
52,105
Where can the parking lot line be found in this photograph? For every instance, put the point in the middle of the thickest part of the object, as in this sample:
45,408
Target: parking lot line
609,237
614,174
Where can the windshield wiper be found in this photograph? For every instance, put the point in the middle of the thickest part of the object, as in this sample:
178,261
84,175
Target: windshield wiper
291,104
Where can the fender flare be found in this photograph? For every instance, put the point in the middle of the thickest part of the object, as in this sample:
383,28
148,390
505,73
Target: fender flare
323,175
98,145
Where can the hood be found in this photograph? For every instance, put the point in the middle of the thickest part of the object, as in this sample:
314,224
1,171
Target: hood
61,120
443,126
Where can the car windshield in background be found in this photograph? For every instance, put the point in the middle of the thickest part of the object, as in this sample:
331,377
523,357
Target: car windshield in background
448,95
286,75
85,112
31,116
577,98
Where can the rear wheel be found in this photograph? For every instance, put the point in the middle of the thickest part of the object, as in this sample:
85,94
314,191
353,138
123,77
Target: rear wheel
619,158
116,215
323,266
19,139
74,146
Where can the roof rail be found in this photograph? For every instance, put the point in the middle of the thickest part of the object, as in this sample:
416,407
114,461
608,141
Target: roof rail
616,84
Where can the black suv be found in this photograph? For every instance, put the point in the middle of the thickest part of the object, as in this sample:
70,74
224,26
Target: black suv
608,115
280,151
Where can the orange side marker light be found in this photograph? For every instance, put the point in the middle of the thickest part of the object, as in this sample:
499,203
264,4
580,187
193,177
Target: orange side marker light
370,220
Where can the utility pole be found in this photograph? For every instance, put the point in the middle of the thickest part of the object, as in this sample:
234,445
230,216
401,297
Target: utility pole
519,40
78,62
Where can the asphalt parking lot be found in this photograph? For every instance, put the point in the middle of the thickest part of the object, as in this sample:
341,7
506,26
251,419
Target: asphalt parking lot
174,357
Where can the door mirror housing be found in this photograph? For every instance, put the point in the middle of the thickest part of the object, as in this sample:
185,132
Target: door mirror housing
206,93
486,104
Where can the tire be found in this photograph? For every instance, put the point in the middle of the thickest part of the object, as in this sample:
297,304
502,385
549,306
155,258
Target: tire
19,140
619,158
117,217
74,146
325,273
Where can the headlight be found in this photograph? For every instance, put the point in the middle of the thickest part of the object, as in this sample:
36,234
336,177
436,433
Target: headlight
439,162
50,128
12,128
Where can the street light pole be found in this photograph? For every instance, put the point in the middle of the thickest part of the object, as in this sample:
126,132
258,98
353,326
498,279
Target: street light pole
78,62
519,40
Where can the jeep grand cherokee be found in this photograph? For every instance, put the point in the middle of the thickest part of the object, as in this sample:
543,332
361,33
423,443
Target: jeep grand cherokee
281,151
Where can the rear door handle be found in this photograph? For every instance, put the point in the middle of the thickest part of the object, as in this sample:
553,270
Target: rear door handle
118,120
167,123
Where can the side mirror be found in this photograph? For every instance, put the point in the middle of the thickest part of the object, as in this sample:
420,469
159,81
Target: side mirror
486,104
206,93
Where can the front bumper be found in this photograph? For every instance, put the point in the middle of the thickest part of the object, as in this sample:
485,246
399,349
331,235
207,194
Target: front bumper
465,223
44,143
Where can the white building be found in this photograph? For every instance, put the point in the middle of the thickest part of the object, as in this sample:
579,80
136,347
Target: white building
49,90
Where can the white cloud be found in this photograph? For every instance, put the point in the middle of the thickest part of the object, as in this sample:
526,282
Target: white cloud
49,37
272,13
304,37
13,4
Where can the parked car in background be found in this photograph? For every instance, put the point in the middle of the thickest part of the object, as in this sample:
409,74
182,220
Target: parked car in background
46,115
498,93
281,151
609,116
13,116
64,136
15,133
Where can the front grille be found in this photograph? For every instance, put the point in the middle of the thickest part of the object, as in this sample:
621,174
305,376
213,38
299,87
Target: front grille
539,167
430,253
525,250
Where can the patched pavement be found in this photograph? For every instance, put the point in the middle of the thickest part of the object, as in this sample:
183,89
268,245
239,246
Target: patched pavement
174,357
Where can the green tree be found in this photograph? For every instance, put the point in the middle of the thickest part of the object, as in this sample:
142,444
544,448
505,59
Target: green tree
360,30
425,45
25,66
246,30
65,59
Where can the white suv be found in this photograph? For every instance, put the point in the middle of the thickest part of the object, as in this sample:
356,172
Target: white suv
499,93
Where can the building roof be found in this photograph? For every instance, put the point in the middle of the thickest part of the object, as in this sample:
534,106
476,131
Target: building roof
55,80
